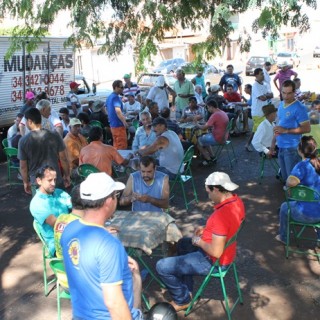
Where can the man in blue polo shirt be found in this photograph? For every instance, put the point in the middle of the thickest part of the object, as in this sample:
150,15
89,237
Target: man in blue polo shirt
48,203
104,282
293,122
118,124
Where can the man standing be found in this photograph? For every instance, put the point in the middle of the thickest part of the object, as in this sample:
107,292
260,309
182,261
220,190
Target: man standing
293,122
48,203
73,102
260,97
104,282
196,255
160,93
101,155
130,87
184,90
230,78
169,146
117,120
74,142
199,80
267,79
218,123
285,73
147,189
41,147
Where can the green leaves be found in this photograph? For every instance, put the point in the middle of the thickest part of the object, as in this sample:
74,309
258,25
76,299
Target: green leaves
144,23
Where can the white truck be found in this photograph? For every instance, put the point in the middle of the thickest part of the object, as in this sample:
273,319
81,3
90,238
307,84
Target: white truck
50,68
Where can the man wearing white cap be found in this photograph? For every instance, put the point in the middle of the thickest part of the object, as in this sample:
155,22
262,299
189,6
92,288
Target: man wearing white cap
101,276
196,255
160,93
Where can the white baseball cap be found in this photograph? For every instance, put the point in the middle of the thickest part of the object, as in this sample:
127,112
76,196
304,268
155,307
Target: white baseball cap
98,186
221,179
160,81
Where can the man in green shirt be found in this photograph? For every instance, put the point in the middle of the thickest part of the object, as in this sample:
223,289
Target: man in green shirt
184,89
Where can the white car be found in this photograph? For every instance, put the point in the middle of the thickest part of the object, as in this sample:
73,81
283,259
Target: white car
291,57
316,51
87,93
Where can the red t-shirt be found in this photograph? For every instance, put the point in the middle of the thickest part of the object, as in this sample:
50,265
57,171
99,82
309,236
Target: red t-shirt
219,122
232,97
225,221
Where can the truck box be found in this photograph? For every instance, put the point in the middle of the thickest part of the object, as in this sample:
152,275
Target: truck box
49,68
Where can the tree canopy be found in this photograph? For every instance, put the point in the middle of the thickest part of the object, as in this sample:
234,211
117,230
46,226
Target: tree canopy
144,22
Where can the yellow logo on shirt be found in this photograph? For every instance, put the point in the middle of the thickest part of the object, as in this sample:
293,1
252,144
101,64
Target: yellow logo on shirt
74,251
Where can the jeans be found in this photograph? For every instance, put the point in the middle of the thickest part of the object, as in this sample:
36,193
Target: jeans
207,140
297,215
288,158
176,272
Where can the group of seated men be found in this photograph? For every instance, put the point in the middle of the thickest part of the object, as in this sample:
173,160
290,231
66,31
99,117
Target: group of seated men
111,286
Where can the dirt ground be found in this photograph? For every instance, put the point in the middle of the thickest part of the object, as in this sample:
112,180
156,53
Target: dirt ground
273,287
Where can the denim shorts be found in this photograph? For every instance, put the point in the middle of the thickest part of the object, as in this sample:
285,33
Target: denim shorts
207,140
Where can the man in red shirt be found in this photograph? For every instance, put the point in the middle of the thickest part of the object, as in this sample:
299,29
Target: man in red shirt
196,255
217,124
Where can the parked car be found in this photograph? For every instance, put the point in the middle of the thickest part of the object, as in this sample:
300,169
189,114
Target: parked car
291,57
258,62
169,66
316,51
211,74
148,80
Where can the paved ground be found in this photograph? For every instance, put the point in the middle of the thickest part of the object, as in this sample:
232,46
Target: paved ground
273,287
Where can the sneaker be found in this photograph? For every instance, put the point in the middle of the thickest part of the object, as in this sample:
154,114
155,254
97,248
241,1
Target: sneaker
278,238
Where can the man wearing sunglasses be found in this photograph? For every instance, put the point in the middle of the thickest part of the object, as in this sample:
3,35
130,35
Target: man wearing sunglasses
104,282
118,124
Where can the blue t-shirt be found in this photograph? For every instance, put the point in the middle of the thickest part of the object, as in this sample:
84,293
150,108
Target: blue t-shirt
233,79
112,102
305,172
93,258
43,205
290,117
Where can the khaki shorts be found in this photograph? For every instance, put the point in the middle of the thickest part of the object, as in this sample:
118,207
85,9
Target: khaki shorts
256,121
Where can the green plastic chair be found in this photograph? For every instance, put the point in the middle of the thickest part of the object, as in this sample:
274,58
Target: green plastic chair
135,123
217,272
272,161
95,123
57,267
5,143
12,164
228,145
46,256
85,169
185,176
305,194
